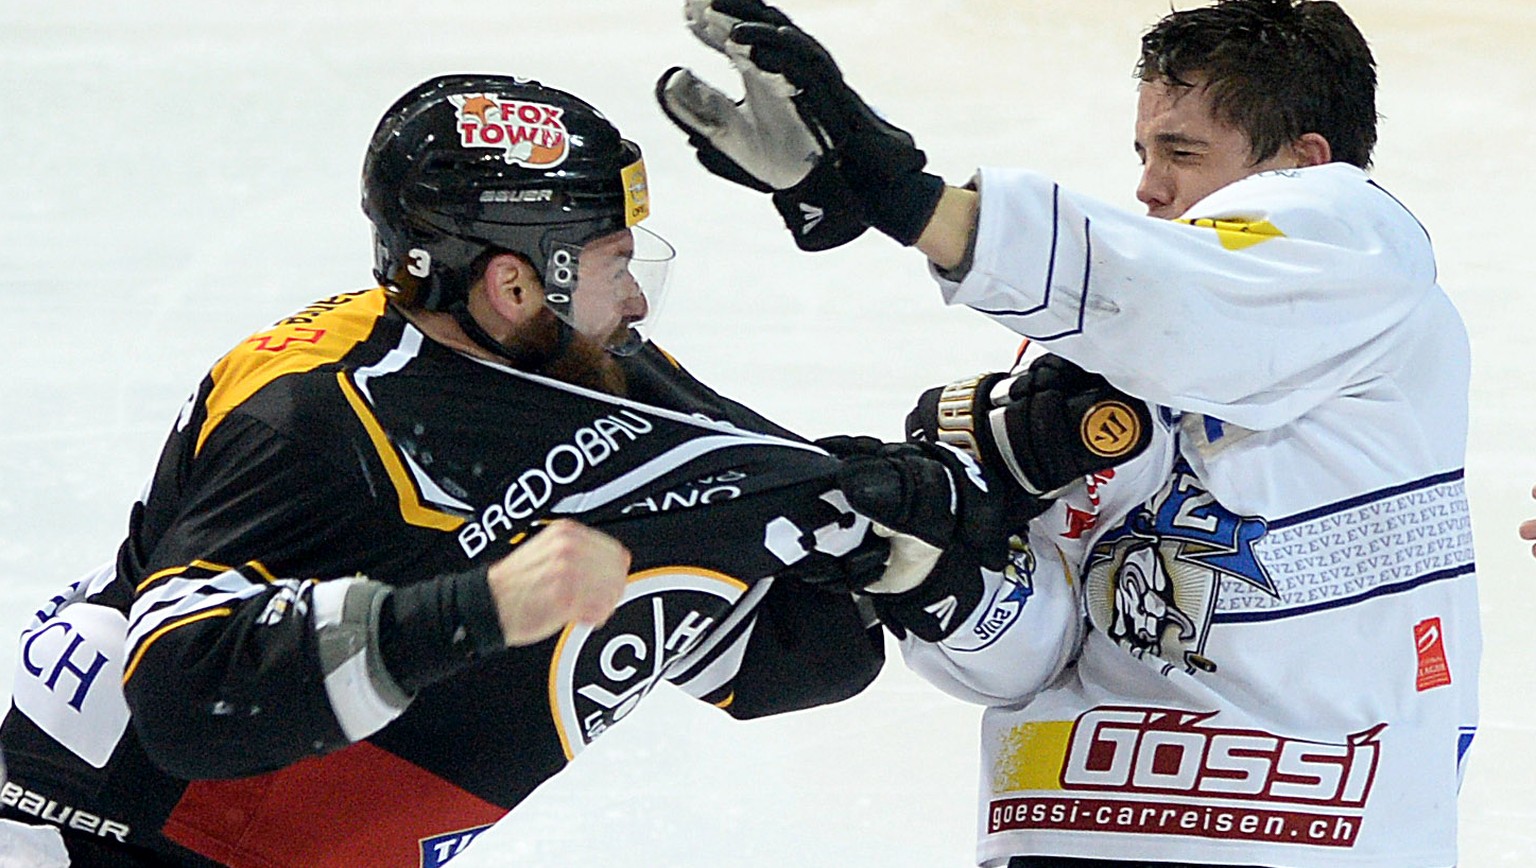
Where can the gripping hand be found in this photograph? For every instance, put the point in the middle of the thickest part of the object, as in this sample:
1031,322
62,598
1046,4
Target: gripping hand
879,162
943,523
760,141
1041,430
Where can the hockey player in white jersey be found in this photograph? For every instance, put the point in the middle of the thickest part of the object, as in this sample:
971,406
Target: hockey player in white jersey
1278,660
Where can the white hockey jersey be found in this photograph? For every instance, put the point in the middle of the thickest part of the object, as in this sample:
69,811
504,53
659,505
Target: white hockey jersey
1278,660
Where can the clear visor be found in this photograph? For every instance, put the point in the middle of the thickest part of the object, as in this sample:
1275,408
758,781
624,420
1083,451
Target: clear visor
611,290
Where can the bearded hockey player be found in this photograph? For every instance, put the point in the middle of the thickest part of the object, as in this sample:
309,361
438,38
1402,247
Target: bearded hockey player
408,551
311,616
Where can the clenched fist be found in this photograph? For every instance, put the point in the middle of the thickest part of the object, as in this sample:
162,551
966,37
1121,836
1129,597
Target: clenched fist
566,573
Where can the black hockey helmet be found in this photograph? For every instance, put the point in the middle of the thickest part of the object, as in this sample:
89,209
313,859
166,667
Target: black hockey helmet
465,165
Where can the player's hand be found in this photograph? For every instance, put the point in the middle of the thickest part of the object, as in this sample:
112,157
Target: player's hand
925,490
1039,431
880,163
1528,528
850,572
760,141
943,522
566,573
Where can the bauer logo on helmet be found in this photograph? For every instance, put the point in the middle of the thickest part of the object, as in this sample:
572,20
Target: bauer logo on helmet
529,134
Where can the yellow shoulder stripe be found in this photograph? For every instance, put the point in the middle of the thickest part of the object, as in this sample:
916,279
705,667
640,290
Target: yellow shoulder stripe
261,570
150,640
176,571
319,334
220,612
411,507
1239,234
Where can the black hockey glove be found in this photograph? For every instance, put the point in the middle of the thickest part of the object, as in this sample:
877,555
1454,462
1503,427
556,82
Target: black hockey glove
760,141
1041,430
943,523
880,163
847,573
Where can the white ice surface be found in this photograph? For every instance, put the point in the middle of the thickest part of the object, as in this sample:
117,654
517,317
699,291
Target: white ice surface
175,174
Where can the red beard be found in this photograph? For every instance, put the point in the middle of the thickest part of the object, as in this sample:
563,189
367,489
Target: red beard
546,346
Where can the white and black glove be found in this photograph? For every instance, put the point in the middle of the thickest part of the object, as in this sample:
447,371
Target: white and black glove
759,141
1039,431
944,526
879,162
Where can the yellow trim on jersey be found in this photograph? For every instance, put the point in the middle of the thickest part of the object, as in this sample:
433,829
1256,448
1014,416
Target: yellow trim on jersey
261,570
150,639
1238,234
669,357
173,571
322,333
554,690
411,507
687,571
726,702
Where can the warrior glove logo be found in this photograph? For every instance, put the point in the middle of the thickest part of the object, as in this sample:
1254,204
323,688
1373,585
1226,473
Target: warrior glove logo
1110,429
529,134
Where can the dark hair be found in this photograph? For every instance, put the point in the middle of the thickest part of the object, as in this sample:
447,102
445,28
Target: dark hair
1275,69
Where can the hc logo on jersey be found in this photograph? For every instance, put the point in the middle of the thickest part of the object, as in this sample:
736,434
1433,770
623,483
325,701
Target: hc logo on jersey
437,850
69,679
598,676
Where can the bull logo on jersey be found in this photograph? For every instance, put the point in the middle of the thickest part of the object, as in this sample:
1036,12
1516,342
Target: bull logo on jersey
598,676
1152,583
529,134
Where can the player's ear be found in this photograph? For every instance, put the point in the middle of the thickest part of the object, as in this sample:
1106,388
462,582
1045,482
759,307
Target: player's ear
512,289
1312,149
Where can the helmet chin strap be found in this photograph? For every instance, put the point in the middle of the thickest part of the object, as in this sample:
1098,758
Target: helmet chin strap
524,358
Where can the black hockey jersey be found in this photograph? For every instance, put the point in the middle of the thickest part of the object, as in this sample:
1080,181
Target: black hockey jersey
342,442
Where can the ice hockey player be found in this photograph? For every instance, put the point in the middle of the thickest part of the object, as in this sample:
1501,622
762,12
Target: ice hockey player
408,551
1280,665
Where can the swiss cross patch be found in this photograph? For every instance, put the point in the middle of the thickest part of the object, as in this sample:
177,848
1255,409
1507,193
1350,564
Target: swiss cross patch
1429,644
278,343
